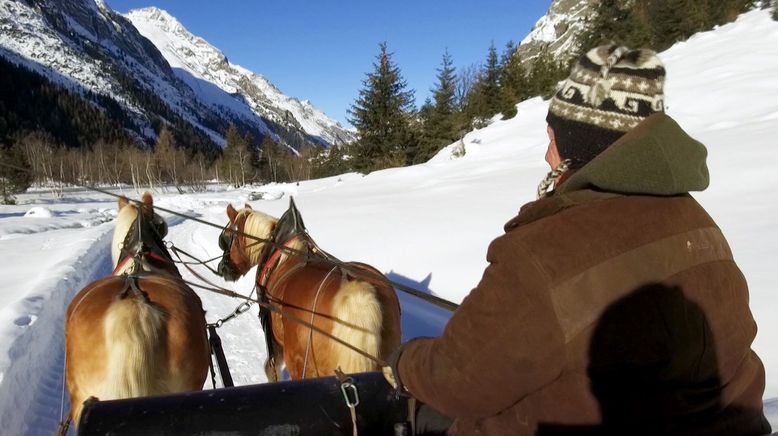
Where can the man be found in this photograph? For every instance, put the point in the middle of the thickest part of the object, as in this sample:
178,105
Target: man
612,304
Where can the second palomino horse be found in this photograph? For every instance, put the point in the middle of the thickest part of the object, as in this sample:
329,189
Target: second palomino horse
140,331
350,301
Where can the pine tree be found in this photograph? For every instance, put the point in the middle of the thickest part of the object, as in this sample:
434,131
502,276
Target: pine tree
439,115
15,179
485,97
545,75
514,85
382,115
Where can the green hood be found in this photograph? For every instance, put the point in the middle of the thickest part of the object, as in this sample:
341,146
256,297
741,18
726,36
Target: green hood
656,157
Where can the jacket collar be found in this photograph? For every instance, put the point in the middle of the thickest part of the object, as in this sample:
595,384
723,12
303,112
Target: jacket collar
554,203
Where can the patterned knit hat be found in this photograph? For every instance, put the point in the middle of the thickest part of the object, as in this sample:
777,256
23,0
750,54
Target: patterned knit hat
610,90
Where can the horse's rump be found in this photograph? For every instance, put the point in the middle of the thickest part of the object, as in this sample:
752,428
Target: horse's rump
121,345
348,306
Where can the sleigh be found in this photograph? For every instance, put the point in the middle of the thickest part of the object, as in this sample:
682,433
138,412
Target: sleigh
317,406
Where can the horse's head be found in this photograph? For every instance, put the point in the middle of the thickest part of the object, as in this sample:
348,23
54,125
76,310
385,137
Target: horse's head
241,253
135,225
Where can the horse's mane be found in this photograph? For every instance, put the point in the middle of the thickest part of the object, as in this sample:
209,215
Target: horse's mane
260,225
124,224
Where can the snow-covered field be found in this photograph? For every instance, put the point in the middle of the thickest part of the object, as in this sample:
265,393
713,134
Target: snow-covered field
427,226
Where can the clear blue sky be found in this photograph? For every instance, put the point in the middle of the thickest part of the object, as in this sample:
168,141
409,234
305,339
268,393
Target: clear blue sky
320,50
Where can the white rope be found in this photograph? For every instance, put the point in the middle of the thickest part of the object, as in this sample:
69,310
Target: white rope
313,314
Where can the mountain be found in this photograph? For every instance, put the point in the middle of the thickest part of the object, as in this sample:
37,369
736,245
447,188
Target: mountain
569,24
558,30
195,61
88,48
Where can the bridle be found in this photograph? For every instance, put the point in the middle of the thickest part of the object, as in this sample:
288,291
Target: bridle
226,243
137,246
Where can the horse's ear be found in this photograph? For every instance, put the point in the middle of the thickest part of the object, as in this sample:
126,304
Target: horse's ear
293,215
247,206
123,201
231,213
148,204
147,200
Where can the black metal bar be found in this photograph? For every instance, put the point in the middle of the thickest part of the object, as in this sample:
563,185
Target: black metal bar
305,407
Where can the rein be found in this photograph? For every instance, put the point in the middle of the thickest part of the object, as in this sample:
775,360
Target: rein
432,299
275,308
320,254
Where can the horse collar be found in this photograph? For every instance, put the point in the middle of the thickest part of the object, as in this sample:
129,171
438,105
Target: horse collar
264,272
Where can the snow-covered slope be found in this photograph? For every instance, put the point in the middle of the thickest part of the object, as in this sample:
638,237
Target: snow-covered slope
426,226
194,55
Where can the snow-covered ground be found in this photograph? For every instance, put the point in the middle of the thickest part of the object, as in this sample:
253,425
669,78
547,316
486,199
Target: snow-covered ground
427,226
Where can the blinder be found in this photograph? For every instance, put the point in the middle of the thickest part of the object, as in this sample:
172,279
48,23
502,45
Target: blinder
147,235
224,243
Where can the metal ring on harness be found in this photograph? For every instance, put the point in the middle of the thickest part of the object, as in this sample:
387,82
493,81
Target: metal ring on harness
347,385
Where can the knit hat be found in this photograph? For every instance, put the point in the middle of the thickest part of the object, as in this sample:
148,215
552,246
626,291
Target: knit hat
610,90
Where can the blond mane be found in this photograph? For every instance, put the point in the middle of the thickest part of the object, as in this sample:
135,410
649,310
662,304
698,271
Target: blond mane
124,221
261,225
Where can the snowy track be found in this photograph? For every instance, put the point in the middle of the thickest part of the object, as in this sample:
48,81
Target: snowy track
31,373
31,400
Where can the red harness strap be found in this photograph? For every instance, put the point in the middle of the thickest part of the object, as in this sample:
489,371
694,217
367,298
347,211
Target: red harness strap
272,259
121,265
153,258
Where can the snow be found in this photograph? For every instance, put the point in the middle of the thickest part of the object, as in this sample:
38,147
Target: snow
425,226
38,212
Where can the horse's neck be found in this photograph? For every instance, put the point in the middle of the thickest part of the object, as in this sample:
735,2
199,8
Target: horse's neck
123,226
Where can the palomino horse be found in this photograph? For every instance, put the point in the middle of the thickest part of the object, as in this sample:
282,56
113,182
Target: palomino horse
353,301
140,331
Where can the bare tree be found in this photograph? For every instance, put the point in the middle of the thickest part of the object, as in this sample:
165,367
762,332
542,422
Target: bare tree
467,77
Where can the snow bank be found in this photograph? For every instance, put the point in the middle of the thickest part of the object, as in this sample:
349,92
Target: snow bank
39,212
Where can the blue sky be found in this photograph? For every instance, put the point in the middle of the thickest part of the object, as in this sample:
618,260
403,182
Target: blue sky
320,50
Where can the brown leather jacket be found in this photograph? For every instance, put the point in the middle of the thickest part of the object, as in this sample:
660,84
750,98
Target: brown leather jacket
613,306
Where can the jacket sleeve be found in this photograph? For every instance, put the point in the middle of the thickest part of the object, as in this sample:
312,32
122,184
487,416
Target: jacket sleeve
503,342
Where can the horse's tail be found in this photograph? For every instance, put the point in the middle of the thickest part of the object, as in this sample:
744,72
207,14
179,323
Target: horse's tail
358,321
135,336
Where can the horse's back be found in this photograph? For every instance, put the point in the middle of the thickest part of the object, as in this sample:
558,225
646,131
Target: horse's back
120,343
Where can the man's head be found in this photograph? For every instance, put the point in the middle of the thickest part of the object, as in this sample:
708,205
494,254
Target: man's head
610,90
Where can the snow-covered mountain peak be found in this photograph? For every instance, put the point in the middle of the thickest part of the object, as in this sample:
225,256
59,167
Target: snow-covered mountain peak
179,46
557,30
154,13
194,56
